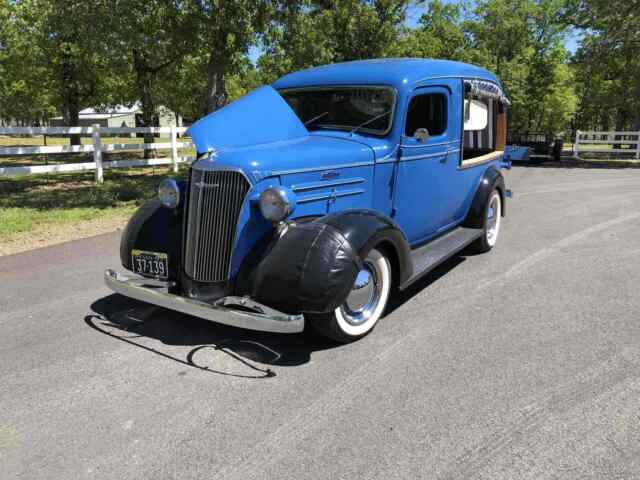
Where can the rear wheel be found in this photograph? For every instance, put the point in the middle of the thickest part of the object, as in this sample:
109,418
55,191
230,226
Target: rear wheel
491,224
364,306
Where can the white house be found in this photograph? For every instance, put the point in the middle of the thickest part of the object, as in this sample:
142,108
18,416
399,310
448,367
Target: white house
121,116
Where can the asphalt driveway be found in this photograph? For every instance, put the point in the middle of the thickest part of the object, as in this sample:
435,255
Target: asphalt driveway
523,363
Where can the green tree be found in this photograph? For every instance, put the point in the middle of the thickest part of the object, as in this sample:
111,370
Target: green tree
439,34
147,38
24,95
329,31
62,53
608,62
522,41
226,29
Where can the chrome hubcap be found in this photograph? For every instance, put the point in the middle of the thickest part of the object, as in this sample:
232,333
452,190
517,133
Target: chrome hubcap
493,214
364,296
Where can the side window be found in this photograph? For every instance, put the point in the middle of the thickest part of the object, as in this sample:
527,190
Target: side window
484,127
427,111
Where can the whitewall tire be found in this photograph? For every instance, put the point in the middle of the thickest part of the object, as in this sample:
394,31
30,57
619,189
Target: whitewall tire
364,306
491,224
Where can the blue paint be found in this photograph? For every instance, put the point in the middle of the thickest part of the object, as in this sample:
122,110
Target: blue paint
422,186
261,116
515,153
424,175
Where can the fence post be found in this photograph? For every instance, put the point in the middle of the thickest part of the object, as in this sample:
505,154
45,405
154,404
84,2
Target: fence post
638,145
575,144
174,149
97,152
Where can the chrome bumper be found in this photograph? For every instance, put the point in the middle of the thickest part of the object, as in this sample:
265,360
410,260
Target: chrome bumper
250,315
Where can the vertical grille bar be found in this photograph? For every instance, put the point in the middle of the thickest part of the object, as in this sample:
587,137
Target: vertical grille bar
215,201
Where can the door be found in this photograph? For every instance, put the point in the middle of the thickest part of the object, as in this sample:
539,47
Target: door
425,164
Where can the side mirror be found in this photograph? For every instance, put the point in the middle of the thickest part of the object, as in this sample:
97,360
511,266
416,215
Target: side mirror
421,135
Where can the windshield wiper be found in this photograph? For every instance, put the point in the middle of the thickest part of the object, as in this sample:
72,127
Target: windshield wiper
318,117
369,121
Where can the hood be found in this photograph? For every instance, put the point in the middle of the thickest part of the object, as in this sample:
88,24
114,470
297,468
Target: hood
261,116
308,153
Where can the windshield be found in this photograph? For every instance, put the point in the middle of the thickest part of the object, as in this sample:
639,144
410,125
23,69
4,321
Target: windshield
343,108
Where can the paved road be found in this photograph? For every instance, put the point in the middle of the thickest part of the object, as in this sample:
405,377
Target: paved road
520,364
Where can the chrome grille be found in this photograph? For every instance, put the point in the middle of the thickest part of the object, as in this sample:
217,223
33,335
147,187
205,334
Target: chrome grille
215,201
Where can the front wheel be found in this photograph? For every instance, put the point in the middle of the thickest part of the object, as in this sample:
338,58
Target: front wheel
491,224
364,306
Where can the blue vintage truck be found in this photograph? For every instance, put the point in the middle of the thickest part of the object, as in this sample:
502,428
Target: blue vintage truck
313,199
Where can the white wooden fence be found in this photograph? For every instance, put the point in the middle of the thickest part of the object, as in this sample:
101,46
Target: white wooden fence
606,142
97,148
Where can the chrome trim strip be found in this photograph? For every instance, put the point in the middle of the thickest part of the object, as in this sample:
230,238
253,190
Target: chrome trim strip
302,187
390,157
418,157
430,144
327,196
318,169
387,159
260,317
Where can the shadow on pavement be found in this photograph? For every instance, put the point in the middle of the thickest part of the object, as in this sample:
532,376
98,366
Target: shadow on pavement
132,322
399,298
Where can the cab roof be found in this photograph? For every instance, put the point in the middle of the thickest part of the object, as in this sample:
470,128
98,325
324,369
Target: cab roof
401,73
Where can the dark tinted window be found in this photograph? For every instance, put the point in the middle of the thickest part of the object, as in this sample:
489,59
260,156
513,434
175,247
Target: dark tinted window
343,108
427,111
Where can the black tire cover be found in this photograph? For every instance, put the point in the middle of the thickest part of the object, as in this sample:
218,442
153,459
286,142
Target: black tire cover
310,268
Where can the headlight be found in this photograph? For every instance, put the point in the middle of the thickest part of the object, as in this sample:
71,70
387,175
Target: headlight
169,193
277,203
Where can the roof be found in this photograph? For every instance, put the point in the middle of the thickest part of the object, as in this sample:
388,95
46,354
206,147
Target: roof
105,113
97,116
398,72
111,112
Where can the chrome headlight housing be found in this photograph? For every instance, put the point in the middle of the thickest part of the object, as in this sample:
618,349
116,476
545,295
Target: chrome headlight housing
169,193
277,203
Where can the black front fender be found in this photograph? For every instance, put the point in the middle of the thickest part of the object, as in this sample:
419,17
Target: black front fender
154,228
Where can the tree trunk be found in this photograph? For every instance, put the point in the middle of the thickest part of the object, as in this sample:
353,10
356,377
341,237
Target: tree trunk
71,96
144,82
216,94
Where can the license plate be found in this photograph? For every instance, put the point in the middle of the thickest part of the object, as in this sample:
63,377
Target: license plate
150,264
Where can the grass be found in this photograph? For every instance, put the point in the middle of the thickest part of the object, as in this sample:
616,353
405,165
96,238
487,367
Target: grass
38,210
57,205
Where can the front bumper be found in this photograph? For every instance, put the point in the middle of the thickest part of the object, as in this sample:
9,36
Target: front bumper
241,312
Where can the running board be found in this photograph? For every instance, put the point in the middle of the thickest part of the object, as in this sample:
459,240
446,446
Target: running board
429,256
